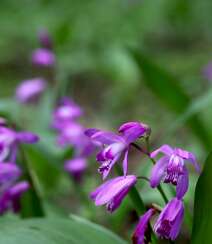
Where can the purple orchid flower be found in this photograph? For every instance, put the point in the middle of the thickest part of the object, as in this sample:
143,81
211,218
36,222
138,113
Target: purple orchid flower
10,139
116,145
43,57
140,235
76,168
113,191
170,219
11,197
29,91
171,168
65,113
9,172
166,226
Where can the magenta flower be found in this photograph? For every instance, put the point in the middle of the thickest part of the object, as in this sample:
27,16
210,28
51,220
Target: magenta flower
43,57
171,168
65,113
76,167
170,219
29,91
115,145
141,233
11,197
113,191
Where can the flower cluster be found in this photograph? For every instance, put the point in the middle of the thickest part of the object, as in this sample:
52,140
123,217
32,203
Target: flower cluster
169,169
71,133
30,90
11,188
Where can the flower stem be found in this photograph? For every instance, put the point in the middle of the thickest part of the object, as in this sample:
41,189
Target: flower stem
153,161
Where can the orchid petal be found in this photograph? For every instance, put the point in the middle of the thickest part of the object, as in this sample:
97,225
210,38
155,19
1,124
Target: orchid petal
106,137
158,171
182,185
165,149
125,162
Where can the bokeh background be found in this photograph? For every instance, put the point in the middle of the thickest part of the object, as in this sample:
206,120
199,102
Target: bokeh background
121,60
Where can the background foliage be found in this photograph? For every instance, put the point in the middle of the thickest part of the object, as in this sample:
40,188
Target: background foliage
122,60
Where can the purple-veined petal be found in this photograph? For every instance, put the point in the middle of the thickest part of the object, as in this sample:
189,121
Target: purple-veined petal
125,162
165,149
106,172
182,184
158,171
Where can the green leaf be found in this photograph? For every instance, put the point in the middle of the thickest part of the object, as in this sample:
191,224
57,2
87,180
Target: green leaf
31,202
55,231
202,223
43,164
164,85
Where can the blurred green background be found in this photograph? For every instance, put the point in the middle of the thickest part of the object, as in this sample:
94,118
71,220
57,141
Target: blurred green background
115,59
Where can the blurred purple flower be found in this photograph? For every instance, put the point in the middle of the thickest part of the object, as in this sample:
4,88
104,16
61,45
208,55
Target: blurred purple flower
170,219
29,91
9,172
45,39
140,235
66,112
113,191
76,167
207,71
43,57
10,198
116,145
10,139
171,168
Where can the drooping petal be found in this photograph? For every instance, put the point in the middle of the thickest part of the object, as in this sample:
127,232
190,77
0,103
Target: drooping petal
139,234
125,162
182,184
165,149
158,171
188,156
114,187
